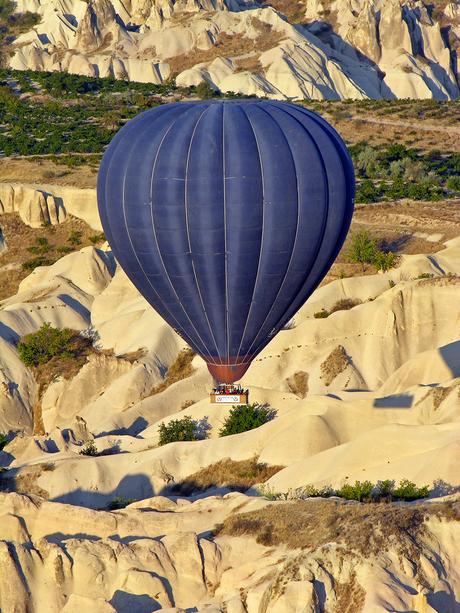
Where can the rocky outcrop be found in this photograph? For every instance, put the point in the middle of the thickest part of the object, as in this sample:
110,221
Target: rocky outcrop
366,48
49,204
34,206
148,557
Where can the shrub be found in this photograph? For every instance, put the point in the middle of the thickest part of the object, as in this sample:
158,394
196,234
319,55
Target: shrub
246,417
36,262
361,490
426,275
3,441
344,304
362,248
89,449
97,238
453,183
48,342
205,91
409,491
184,429
119,502
367,192
75,237
321,314
64,249
384,260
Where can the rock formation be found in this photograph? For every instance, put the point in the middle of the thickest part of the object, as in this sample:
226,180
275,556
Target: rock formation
367,48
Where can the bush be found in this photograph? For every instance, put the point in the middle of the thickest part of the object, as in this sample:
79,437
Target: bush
453,183
385,260
75,237
205,91
367,192
426,275
409,491
97,238
361,490
321,314
362,248
3,441
48,342
246,417
344,304
36,262
184,429
119,502
89,449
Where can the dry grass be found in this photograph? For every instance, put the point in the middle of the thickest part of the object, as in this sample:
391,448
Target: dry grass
227,46
437,395
238,476
42,170
180,369
377,124
25,482
298,383
19,237
294,10
335,363
344,304
365,528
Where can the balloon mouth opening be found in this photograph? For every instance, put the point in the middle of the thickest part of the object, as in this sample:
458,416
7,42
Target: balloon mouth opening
228,373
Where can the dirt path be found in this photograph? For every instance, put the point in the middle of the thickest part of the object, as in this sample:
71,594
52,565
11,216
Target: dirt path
411,124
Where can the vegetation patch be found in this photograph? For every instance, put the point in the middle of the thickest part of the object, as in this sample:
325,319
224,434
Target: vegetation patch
363,250
238,476
25,481
50,353
179,430
119,502
246,417
89,449
335,363
395,171
310,524
31,247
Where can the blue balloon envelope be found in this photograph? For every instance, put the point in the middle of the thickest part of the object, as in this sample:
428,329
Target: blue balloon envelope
226,215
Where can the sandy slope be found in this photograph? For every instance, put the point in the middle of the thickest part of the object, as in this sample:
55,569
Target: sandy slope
381,400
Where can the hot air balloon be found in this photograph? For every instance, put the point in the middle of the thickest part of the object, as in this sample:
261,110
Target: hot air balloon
226,215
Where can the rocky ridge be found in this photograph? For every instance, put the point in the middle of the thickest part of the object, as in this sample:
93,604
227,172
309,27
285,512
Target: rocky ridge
334,50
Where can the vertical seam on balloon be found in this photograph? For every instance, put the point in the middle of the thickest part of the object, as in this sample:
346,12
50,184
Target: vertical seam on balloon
262,237
288,268
323,232
208,353
188,232
227,321
132,246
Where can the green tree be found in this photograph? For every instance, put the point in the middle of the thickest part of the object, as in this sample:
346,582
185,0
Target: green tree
384,260
185,429
48,342
246,417
362,249
204,90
